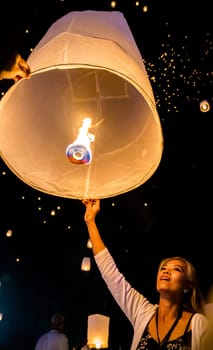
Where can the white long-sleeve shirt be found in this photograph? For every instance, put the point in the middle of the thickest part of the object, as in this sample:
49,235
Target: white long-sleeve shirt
52,340
137,308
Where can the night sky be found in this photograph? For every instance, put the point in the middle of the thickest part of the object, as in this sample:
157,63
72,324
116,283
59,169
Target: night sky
40,263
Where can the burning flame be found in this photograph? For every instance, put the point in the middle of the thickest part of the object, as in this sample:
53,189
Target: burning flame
79,152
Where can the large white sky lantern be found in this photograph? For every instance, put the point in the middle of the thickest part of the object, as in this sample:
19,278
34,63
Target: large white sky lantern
85,125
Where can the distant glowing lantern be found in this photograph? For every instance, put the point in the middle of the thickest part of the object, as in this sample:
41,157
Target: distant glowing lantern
85,125
9,233
98,331
86,264
89,243
204,106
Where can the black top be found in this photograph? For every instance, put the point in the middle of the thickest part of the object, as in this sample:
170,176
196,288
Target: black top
181,343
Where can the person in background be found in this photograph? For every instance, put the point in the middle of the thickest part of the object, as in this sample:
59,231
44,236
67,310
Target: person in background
55,339
177,321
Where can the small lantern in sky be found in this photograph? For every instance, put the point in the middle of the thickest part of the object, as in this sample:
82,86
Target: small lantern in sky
86,264
204,106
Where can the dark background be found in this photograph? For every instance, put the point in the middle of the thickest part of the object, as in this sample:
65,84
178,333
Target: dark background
171,214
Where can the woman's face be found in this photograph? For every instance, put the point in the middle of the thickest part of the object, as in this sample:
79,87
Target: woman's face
172,277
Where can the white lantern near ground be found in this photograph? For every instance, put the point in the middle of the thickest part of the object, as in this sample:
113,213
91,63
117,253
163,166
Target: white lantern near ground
85,125
98,331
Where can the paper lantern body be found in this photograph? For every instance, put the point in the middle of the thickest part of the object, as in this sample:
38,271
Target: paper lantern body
87,65
98,331
86,264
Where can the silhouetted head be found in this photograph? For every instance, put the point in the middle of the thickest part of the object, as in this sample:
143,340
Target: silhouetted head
57,321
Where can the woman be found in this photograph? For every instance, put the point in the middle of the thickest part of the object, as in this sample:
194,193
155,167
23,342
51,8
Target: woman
177,322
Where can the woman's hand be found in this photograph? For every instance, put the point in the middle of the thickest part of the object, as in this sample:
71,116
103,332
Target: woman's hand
92,209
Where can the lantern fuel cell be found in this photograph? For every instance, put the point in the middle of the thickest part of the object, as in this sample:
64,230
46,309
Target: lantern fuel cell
79,151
